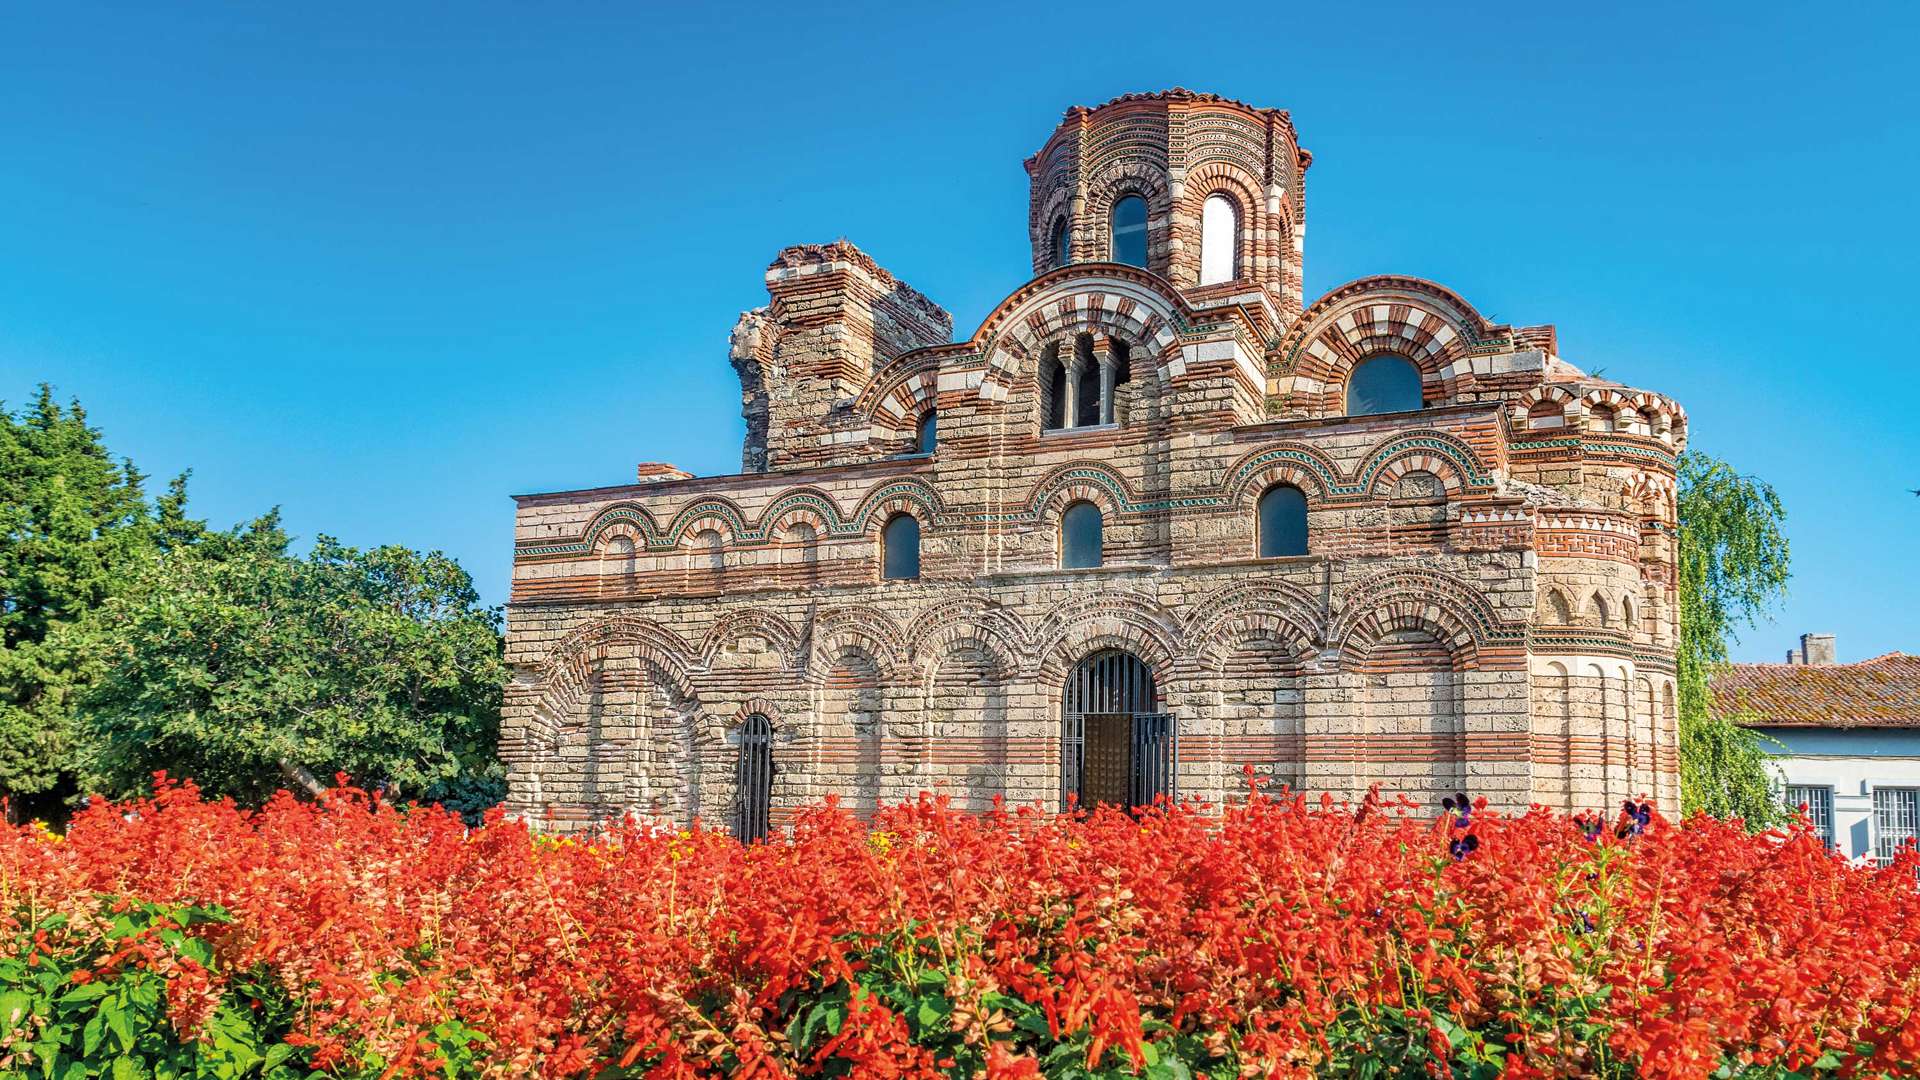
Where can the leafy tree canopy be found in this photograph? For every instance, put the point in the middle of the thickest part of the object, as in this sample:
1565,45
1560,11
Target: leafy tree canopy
134,638
253,670
72,518
1733,565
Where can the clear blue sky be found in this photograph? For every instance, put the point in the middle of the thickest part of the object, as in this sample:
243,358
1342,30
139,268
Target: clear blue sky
383,265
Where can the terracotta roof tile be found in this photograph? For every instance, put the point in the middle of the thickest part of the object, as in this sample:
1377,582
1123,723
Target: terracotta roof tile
1881,692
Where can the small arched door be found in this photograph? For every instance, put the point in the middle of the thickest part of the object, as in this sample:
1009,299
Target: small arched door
1116,745
753,811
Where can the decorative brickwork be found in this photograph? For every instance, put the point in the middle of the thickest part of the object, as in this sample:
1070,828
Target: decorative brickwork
1486,603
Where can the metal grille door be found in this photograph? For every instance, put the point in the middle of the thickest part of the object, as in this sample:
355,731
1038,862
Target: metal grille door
1115,744
754,807
1156,745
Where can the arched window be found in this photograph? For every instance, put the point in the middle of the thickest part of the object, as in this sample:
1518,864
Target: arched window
1062,243
1384,384
754,776
1129,227
926,435
1626,611
1600,613
1053,381
1080,540
1219,240
1283,521
1086,393
900,548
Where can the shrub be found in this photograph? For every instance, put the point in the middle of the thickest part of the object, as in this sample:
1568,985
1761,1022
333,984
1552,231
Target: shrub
1276,936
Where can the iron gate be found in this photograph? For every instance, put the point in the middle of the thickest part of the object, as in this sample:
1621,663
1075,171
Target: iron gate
1156,748
1115,744
753,805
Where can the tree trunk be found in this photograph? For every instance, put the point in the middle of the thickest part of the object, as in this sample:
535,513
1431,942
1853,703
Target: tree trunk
302,778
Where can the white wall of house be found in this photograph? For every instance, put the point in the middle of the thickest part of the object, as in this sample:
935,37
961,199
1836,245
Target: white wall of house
1851,765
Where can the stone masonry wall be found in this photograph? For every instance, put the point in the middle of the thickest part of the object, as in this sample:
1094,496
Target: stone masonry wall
1487,603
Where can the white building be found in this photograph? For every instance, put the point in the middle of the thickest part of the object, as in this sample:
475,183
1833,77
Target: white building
1846,736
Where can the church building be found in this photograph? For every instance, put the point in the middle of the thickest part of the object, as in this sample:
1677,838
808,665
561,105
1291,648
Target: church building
1158,519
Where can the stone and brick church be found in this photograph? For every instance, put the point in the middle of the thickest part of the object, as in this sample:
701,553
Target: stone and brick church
1157,519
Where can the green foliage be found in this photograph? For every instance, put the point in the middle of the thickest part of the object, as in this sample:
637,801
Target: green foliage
72,519
1733,564
242,671
88,997
135,639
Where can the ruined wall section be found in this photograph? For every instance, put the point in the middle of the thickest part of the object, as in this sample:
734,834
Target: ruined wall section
835,318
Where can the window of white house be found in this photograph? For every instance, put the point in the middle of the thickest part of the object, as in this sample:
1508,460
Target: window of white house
1819,804
1384,384
900,548
1080,537
1128,224
1896,820
926,436
1219,240
1283,521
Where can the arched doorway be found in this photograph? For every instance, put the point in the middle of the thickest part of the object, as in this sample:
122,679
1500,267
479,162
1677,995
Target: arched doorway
753,812
1116,745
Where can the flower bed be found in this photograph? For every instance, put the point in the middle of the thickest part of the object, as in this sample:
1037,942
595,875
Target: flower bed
1276,937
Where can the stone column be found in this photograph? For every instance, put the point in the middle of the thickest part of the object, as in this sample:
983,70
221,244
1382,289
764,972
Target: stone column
1070,415
1103,355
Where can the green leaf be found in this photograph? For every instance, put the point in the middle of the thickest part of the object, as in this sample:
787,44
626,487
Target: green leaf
90,1037
15,1006
85,992
120,1023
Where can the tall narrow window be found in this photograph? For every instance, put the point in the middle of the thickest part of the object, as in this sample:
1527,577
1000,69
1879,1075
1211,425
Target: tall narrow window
1283,522
1053,380
1080,539
900,548
1819,804
1062,243
926,435
1384,384
1129,227
754,776
1896,820
1219,240
1086,393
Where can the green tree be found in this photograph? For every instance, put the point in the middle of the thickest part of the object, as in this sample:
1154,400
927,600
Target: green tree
72,519
1733,565
251,670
